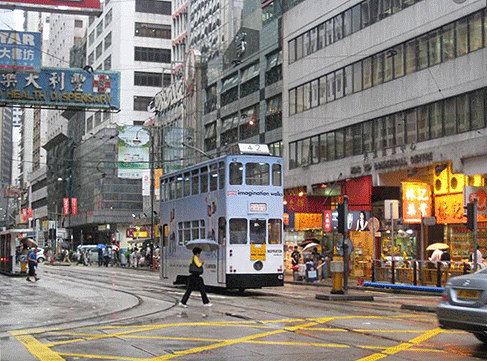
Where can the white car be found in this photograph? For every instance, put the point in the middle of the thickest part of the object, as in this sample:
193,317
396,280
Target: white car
41,257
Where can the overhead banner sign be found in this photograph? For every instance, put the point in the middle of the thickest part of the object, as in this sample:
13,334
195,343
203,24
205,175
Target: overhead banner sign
20,51
65,88
133,152
82,7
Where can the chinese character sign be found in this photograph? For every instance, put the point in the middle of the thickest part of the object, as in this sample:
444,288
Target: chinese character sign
66,206
20,50
416,201
62,88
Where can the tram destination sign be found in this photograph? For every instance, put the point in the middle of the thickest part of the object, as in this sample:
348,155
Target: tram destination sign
62,88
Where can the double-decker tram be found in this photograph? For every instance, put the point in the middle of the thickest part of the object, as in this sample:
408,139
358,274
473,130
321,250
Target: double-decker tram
11,252
236,201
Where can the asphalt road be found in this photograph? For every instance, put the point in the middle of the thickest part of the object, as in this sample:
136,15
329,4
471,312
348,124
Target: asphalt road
91,313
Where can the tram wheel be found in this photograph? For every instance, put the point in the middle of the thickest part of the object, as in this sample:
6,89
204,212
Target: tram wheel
241,291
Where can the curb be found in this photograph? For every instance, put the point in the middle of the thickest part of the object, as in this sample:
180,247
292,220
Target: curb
346,297
418,308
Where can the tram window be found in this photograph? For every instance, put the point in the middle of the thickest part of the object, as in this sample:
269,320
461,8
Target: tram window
275,231
222,225
276,175
179,186
257,231
196,183
213,177
186,184
236,173
238,231
221,171
204,180
195,230
257,174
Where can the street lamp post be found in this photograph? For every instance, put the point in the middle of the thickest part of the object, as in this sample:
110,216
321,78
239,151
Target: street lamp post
151,191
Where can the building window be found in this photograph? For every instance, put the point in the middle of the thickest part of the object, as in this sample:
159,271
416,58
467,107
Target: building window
91,38
148,30
78,23
153,7
99,28
99,50
108,17
107,63
91,58
148,79
108,40
273,117
153,55
142,103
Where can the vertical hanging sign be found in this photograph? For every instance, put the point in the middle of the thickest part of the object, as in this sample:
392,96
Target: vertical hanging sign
66,206
74,206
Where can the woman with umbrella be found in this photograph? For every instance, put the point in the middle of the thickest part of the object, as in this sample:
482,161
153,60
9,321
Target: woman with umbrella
195,281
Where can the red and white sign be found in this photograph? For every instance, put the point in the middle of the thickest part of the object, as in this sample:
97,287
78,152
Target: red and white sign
82,7
24,215
74,206
30,213
66,206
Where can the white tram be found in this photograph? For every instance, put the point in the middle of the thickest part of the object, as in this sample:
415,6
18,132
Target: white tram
235,200
10,258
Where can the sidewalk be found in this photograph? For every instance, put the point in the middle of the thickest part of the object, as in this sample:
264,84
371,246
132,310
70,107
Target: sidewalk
398,298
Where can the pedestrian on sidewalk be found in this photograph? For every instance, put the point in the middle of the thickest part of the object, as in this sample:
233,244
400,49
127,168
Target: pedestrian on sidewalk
195,281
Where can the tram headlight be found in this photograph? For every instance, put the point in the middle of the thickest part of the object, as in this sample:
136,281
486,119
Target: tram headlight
258,265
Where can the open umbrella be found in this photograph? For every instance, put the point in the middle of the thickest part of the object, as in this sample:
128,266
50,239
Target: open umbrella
310,246
206,245
28,242
436,246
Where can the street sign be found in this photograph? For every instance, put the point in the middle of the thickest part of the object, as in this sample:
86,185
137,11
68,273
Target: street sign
429,221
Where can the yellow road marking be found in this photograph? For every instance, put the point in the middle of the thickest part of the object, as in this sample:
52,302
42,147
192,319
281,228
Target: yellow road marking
38,349
81,355
402,347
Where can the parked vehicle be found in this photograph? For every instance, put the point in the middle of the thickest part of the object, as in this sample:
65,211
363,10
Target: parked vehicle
92,251
463,304
41,256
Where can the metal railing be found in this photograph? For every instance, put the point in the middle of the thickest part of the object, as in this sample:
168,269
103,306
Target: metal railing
417,273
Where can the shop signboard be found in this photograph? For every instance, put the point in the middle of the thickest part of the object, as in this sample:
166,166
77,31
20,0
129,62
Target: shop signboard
449,209
65,88
480,193
20,51
416,201
327,221
304,221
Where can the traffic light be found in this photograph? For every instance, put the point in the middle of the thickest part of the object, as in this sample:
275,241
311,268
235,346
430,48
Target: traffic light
342,218
471,215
